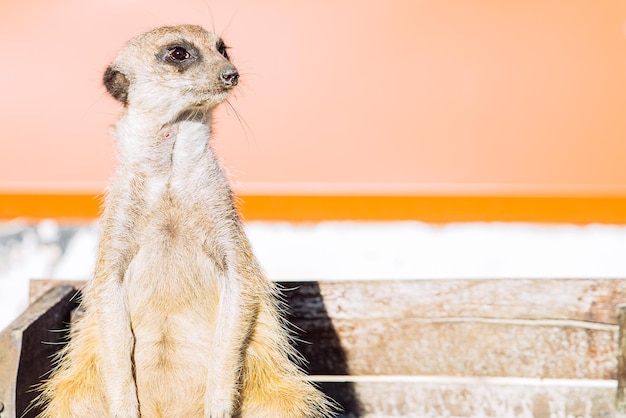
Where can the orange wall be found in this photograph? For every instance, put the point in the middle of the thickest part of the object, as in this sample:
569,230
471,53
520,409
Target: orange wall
352,97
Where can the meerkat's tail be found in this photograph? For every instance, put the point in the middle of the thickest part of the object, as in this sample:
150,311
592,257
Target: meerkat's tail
273,383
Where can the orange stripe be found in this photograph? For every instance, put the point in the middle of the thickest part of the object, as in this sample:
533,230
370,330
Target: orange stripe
76,207
69,207
436,208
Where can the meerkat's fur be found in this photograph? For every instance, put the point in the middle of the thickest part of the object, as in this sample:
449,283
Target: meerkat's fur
180,321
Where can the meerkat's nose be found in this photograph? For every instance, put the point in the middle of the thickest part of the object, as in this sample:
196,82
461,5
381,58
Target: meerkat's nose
229,76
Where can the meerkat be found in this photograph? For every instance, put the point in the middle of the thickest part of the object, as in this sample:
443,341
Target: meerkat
179,319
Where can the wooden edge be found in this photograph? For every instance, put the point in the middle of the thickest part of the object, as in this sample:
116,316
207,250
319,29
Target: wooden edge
315,208
425,397
590,301
621,361
585,302
39,287
23,357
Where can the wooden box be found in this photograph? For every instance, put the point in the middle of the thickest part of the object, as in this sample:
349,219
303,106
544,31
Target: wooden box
411,348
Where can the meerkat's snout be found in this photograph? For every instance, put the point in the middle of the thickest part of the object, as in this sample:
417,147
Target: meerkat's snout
229,76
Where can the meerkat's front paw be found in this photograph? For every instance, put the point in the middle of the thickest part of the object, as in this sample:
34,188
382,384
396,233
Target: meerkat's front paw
219,413
125,414
217,406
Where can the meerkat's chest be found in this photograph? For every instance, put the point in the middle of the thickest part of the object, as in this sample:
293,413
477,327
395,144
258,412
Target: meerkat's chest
171,292
171,270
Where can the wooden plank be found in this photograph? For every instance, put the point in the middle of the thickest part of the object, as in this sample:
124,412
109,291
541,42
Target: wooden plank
27,347
416,347
620,401
419,397
593,300
525,328
38,287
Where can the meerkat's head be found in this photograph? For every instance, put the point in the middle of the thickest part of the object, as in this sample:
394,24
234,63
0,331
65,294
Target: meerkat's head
178,68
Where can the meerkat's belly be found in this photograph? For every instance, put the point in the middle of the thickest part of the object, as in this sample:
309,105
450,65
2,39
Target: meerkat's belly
172,299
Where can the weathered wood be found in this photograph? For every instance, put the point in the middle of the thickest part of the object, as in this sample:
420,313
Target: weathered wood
593,300
419,397
27,347
522,328
472,348
621,363
531,329
38,287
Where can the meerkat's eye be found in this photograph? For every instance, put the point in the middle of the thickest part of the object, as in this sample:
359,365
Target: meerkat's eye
221,48
178,53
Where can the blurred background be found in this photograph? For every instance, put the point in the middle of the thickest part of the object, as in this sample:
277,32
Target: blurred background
367,139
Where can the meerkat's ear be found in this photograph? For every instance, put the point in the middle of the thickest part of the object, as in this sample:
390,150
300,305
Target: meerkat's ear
116,84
